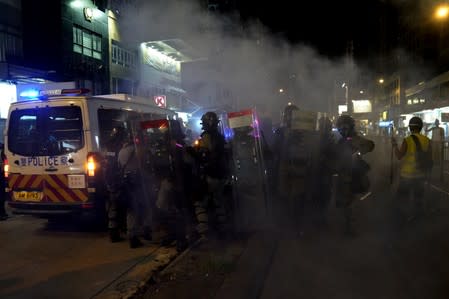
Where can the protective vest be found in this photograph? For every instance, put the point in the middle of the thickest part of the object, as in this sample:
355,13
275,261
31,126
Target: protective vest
213,154
408,166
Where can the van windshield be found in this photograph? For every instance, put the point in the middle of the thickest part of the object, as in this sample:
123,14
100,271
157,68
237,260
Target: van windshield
45,131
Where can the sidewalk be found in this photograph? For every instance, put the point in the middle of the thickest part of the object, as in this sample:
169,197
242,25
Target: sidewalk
209,270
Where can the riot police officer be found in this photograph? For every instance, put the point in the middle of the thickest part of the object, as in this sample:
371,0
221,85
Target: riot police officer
214,170
116,207
348,150
172,198
135,184
324,169
293,168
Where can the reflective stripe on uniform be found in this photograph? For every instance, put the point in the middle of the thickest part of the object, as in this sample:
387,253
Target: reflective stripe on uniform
202,218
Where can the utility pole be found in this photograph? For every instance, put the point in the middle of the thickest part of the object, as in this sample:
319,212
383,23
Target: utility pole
349,73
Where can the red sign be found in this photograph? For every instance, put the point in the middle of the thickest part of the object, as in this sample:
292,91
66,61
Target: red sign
240,113
243,118
161,101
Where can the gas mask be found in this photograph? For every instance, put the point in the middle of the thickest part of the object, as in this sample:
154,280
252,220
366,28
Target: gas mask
346,130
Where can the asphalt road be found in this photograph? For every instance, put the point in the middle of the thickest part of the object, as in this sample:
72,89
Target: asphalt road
383,260
60,261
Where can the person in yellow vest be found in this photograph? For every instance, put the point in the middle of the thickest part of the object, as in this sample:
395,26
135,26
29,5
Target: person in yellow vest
412,179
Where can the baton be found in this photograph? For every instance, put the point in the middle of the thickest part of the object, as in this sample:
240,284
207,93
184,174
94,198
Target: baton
392,158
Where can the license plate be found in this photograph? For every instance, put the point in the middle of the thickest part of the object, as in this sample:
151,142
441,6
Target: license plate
77,181
27,195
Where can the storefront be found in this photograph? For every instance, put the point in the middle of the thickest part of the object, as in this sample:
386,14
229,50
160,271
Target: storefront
429,116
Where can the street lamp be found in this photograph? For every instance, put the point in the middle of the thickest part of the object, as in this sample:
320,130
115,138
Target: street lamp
442,12
344,85
381,81
281,90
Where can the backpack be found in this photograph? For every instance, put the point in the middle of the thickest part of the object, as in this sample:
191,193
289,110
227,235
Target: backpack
424,161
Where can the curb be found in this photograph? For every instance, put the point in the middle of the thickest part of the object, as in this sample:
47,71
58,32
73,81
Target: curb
175,261
129,284
135,280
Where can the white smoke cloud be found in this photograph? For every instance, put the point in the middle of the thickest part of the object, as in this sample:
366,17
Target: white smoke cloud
252,61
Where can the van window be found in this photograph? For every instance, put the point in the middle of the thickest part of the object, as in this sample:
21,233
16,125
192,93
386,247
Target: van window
108,119
45,131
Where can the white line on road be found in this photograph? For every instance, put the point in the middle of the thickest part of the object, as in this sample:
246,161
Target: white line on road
365,196
439,189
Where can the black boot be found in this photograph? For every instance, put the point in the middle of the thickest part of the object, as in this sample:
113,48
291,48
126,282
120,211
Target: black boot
181,245
134,242
148,235
114,235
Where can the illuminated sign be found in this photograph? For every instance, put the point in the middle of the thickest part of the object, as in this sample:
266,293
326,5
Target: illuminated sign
161,101
161,62
362,106
88,13
342,109
9,95
385,124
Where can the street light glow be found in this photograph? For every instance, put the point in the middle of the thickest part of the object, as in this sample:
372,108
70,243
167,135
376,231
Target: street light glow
76,4
361,91
381,81
281,90
442,11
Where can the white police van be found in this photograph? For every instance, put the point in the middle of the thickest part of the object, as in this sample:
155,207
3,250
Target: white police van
54,145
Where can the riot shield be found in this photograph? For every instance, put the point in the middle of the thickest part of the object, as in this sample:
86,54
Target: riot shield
251,195
297,164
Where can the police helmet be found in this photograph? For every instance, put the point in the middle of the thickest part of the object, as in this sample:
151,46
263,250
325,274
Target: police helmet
346,125
415,122
209,120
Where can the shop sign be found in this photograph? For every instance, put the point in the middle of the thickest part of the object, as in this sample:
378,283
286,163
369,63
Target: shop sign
362,106
161,101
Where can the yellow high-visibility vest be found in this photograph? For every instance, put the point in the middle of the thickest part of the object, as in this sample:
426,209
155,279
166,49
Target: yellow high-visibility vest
408,165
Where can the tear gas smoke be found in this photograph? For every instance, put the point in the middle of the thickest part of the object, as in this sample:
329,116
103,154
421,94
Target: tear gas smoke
245,58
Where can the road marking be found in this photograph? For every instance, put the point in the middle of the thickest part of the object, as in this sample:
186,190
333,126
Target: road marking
439,189
365,196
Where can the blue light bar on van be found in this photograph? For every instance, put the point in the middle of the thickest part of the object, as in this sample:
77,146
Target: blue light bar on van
29,94
63,92
42,94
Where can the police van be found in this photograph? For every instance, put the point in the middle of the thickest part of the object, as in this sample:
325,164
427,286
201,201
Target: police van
54,145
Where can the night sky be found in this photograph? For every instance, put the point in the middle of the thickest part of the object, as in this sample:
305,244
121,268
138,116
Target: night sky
325,25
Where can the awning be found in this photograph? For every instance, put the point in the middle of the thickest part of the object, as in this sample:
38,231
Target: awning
176,49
